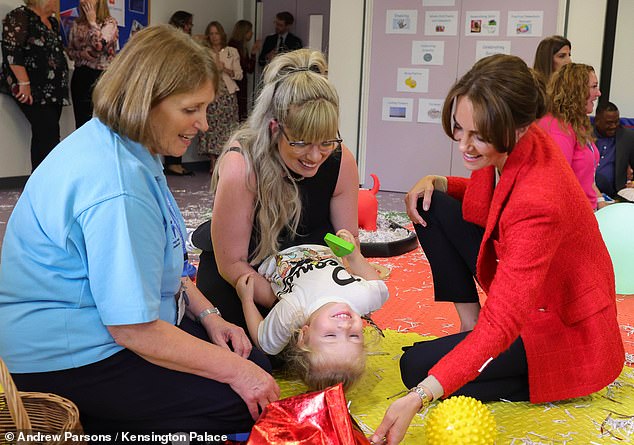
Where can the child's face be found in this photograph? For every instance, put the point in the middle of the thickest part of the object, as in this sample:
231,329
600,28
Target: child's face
335,329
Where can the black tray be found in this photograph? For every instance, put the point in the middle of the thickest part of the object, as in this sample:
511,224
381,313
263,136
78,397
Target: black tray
390,248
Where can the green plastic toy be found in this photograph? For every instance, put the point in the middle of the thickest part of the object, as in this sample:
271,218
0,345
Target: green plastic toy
339,246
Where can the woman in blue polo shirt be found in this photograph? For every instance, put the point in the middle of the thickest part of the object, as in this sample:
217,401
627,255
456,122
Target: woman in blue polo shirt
92,303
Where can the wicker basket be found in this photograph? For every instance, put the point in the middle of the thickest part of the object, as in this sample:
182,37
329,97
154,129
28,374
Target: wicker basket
35,412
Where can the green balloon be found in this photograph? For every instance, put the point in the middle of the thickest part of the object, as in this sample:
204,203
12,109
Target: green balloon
615,224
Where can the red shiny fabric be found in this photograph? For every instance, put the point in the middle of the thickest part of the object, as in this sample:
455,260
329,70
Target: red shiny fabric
319,418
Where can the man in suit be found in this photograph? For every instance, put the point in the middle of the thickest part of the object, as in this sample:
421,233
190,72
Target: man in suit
616,147
282,40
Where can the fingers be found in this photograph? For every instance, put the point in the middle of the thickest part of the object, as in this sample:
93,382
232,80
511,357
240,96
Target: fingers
271,394
240,342
379,436
346,235
253,410
411,202
427,199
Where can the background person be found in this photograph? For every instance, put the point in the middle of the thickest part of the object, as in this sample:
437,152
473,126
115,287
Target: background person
92,44
316,324
283,40
95,262
572,92
277,189
547,275
222,113
240,37
616,149
35,71
551,54
184,21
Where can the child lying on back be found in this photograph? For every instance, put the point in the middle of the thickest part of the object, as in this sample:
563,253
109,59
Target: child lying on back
317,318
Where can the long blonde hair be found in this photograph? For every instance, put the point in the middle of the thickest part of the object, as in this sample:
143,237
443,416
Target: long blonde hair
296,94
568,94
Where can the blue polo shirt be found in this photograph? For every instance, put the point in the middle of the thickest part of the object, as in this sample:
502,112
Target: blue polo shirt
94,240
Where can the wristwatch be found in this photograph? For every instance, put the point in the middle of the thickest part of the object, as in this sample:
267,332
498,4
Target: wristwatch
424,398
208,311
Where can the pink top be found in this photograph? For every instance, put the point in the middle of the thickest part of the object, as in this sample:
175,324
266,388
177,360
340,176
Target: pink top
583,160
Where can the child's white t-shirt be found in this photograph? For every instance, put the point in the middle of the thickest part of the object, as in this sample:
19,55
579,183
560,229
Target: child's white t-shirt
304,278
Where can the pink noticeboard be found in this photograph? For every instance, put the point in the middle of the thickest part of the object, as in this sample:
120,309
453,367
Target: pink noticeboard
399,149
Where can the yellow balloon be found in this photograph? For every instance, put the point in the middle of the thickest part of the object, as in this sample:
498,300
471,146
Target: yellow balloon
460,421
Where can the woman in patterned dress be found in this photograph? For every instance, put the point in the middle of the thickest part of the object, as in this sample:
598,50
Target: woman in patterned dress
222,113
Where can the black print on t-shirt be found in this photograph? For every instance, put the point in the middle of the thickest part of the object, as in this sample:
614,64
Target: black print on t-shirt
339,274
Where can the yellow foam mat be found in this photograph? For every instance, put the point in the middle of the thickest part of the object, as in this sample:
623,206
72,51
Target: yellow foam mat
601,418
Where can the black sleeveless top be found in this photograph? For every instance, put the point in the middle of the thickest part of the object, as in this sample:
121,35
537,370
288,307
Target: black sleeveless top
315,222
315,195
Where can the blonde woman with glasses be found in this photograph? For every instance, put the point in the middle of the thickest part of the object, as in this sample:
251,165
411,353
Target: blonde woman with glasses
285,178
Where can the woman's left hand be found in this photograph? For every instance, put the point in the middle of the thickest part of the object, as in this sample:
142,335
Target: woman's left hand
222,332
397,419
89,10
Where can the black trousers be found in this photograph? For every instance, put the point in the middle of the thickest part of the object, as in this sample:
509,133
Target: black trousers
451,245
44,120
505,377
127,393
81,86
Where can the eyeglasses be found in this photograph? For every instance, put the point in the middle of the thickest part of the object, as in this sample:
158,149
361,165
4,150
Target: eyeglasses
325,147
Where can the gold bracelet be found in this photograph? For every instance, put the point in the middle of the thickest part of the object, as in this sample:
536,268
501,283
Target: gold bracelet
424,398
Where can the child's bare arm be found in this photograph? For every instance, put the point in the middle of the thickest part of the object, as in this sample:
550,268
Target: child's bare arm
356,263
245,289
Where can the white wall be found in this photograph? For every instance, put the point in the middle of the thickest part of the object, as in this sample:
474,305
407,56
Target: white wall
622,88
344,65
586,23
15,132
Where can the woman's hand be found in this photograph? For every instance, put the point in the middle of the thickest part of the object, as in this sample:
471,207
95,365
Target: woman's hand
423,188
255,386
397,419
88,7
23,93
221,332
255,49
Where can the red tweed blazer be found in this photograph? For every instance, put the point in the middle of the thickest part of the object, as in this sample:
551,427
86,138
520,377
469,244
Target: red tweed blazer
547,275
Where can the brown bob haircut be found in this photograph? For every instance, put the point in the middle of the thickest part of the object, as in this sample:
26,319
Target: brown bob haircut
157,62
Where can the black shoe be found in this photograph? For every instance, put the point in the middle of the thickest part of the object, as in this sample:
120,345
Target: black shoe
170,172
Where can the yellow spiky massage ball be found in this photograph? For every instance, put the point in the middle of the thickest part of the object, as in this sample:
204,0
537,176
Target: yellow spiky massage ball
460,421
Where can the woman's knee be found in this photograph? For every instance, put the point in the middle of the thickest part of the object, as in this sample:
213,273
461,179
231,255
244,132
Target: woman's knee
415,365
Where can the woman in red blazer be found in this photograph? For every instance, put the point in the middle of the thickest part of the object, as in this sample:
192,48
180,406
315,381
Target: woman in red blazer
548,330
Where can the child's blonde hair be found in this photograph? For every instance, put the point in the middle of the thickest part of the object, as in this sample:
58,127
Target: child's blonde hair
318,371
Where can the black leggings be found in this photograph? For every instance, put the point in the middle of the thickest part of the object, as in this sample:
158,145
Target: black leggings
81,86
451,246
127,393
505,377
